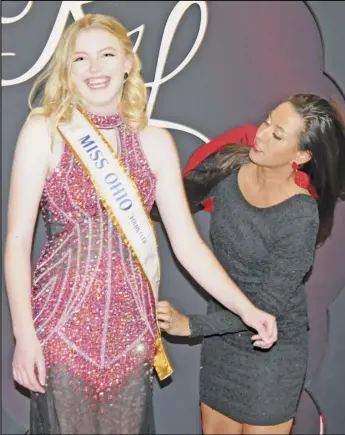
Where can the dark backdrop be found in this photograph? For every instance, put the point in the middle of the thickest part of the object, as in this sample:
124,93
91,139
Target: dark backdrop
228,63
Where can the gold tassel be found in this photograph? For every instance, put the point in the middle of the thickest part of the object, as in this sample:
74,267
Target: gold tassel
161,362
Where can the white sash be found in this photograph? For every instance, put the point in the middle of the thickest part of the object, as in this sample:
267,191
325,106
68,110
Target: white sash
121,199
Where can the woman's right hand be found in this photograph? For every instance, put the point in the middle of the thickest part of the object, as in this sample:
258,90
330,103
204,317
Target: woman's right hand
28,357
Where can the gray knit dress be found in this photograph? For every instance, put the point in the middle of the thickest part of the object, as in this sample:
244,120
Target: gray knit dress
267,252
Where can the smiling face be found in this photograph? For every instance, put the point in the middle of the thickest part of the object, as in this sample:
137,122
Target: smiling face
98,67
276,142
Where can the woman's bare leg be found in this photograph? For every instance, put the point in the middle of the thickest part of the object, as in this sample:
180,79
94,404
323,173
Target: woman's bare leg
213,422
278,429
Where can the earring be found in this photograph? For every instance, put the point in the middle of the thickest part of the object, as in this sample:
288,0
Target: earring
301,178
125,76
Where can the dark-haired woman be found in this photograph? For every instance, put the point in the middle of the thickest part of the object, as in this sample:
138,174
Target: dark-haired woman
269,201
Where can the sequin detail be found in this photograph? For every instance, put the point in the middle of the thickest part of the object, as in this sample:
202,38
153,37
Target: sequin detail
93,311
105,122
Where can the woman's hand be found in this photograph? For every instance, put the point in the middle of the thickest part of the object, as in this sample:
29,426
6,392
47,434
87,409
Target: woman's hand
264,323
27,361
171,321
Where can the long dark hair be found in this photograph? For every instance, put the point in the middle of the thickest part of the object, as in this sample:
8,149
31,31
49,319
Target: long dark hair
323,135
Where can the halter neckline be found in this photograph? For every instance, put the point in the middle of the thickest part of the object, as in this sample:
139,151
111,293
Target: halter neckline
106,121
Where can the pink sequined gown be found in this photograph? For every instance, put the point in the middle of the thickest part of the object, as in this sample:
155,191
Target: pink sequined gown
93,311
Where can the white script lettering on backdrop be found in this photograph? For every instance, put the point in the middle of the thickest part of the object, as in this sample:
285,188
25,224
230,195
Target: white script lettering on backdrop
76,10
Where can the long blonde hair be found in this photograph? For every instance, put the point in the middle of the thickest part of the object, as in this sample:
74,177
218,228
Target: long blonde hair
59,96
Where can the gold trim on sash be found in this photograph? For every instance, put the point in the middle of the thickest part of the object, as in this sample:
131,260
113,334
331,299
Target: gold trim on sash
161,361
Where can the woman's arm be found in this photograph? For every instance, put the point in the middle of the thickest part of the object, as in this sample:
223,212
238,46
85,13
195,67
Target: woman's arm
27,180
191,251
198,187
291,258
198,325
202,173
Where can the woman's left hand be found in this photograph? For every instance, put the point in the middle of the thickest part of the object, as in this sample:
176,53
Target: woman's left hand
264,323
172,321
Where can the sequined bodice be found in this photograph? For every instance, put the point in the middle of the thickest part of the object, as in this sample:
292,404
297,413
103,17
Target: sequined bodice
69,193
90,298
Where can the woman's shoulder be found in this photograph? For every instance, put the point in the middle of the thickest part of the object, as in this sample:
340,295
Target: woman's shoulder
299,216
35,129
303,205
37,121
36,141
157,137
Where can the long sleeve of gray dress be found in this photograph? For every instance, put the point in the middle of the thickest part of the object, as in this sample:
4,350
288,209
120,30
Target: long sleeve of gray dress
292,253
221,322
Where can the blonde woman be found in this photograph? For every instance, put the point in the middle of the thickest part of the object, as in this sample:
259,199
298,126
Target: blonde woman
86,333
